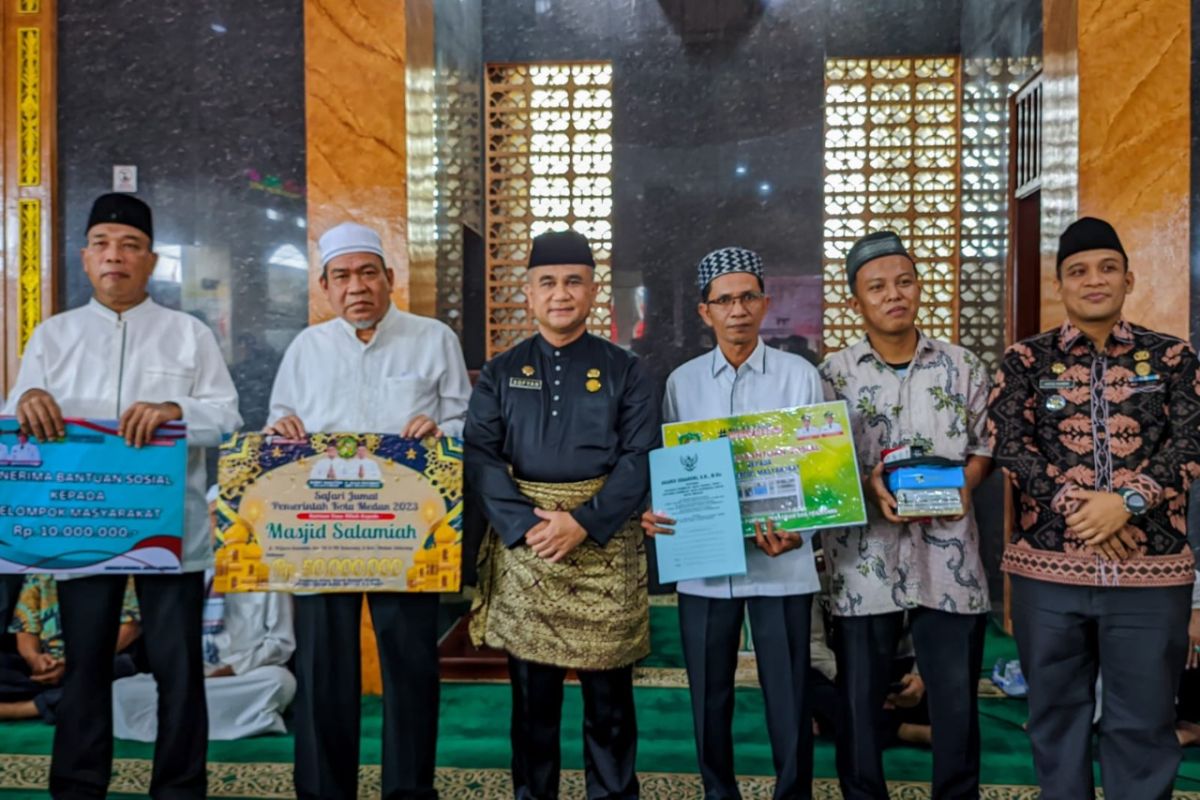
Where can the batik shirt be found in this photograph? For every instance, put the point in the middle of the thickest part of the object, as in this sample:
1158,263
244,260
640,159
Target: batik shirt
36,612
939,403
1064,415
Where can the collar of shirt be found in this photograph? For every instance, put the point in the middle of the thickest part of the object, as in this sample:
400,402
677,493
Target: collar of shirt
1068,334
144,307
390,319
568,349
757,360
863,350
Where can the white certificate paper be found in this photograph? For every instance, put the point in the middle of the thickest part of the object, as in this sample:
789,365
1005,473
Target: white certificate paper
696,485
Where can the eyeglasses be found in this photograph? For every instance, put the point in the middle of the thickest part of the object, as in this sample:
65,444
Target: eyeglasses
747,299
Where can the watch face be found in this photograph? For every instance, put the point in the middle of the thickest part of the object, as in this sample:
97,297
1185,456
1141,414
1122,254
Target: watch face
1135,502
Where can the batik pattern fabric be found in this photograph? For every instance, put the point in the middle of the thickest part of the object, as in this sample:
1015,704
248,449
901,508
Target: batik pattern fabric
36,612
588,611
939,404
1065,415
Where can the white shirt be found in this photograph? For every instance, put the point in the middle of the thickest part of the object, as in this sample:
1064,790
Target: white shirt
25,452
363,469
335,383
255,630
707,387
97,363
326,469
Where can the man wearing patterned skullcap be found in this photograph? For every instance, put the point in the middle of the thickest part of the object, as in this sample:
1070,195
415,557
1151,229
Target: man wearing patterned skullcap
905,389
741,375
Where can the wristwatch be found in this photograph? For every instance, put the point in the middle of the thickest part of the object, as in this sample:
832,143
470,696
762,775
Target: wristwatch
1135,503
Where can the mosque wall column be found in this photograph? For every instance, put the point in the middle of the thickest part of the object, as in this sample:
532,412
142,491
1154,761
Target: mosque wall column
367,157
28,171
1117,144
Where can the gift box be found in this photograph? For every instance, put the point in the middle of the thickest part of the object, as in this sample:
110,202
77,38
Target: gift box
927,490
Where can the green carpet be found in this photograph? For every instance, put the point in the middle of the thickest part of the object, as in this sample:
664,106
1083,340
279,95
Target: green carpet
474,738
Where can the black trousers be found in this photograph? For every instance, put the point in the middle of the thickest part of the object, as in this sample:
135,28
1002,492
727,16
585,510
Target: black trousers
1138,638
780,627
328,705
826,705
609,731
90,609
10,590
949,650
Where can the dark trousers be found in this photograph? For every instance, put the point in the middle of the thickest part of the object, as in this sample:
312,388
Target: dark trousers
609,731
780,627
328,704
1138,638
949,650
90,609
10,590
826,705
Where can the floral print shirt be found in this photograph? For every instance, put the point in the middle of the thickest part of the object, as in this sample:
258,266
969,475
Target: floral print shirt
36,612
940,404
1065,415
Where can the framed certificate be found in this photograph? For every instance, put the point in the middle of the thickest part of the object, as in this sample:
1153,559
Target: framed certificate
796,466
339,512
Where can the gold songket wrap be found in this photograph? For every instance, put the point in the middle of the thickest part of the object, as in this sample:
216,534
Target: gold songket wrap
589,611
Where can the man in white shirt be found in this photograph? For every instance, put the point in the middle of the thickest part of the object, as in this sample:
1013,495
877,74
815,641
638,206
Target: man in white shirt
248,640
124,356
24,451
362,467
741,376
380,370
328,467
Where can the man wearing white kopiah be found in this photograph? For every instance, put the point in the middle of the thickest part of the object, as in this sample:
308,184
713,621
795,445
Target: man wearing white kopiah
124,356
374,369
248,640
741,375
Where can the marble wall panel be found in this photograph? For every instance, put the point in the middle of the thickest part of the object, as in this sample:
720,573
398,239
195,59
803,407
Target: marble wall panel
206,98
1118,145
354,57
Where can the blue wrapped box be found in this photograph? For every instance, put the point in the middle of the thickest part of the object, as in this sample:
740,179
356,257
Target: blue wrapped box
927,490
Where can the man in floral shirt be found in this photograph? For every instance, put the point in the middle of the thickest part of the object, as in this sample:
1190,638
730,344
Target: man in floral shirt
1097,424
906,389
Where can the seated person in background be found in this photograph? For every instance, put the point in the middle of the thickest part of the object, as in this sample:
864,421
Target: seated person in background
907,717
31,678
248,641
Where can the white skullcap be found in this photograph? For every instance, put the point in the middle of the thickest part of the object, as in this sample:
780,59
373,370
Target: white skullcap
214,491
349,237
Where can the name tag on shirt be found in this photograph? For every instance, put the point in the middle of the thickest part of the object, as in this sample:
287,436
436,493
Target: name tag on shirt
525,383
1054,384
1145,379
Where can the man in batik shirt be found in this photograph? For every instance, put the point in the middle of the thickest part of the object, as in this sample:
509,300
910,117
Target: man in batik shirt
1097,424
905,389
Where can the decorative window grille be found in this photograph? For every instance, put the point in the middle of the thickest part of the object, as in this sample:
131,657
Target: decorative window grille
549,166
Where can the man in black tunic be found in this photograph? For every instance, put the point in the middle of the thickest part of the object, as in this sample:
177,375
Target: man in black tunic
556,439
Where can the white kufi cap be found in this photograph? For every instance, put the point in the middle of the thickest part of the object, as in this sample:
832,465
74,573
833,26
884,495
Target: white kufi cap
349,237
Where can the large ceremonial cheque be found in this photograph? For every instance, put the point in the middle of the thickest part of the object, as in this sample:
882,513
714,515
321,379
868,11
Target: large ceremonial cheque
89,503
795,466
339,513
